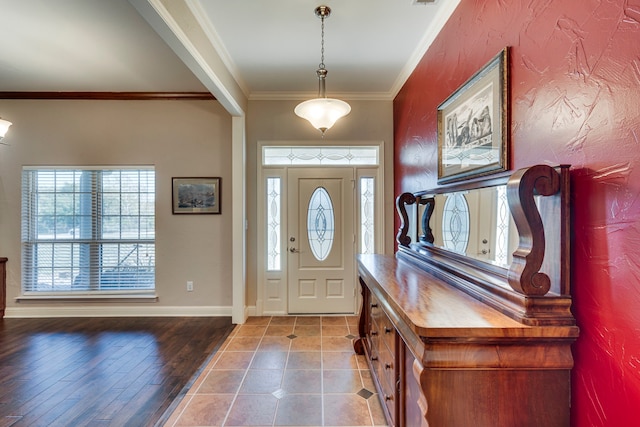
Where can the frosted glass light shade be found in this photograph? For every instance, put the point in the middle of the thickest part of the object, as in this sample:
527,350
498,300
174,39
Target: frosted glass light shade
4,127
322,113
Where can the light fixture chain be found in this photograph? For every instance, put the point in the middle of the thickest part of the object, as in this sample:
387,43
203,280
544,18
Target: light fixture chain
322,112
322,44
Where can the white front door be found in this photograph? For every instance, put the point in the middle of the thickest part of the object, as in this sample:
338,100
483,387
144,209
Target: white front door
321,240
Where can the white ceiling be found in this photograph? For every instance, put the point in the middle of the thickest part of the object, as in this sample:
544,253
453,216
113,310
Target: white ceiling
272,48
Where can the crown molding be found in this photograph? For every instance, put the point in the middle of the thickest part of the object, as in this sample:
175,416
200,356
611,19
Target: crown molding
428,38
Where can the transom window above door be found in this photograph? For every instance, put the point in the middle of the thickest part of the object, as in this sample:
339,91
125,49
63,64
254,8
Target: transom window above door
320,156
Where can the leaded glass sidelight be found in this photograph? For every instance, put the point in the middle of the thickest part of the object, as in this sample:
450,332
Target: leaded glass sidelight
367,232
320,223
273,223
502,226
455,223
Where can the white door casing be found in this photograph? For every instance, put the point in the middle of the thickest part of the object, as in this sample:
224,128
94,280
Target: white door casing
273,207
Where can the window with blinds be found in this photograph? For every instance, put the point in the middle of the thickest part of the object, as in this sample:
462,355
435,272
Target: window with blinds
88,230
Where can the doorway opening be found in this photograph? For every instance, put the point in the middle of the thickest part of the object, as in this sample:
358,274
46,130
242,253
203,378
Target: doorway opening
317,208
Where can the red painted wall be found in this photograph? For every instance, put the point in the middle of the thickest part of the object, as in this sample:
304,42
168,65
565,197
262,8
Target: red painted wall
575,98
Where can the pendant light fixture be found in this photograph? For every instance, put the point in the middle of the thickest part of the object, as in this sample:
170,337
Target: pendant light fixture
322,112
4,127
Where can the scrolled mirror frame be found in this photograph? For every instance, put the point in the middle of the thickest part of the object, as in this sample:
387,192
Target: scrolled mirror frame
524,273
521,291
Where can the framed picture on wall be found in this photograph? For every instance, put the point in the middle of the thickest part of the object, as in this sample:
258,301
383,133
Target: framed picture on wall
473,124
196,195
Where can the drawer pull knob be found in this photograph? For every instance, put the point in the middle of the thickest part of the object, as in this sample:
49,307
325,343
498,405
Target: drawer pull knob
387,330
388,397
374,358
374,333
387,366
374,305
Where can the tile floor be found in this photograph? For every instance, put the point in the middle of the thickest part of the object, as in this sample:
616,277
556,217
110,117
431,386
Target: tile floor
284,371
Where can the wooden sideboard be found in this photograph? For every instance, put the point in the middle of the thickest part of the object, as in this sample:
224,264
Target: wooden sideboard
3,286
451,344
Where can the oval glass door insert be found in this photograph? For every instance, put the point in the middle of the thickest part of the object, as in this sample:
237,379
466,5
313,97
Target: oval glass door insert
320,223
455,223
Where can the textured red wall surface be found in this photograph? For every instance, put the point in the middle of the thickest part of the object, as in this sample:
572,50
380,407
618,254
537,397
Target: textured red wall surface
575,99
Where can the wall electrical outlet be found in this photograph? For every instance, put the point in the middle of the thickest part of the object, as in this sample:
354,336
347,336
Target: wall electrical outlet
189,286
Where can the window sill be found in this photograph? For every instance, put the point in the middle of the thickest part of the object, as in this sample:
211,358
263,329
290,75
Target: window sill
133,297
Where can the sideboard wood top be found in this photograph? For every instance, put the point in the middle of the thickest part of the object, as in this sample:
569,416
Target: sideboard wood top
434,309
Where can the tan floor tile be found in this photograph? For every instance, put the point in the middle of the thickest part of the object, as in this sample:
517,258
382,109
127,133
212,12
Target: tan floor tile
362,361
213,360
269,360
353,320
339,360
302,381
258,320
233,332
251,331
346,410
306,344
198,382
279,330
234,360
222,381
307,330
308,320
341,381
377,414
336,344
282,320
252,362
173,418
274,344
335,331
206,410
304,360
243,344
367,380
289,413
334,321
261,381
252,410
353,330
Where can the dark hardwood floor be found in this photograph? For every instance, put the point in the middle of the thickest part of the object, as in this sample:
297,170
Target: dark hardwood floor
100,371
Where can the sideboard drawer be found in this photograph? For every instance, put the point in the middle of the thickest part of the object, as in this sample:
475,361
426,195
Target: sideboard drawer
382,337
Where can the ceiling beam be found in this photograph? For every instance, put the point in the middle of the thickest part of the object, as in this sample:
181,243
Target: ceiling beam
116,96
175,22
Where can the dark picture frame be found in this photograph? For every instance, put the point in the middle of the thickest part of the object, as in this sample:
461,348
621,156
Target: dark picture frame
193,195
473,124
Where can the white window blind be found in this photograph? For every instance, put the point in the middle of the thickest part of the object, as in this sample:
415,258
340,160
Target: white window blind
88,230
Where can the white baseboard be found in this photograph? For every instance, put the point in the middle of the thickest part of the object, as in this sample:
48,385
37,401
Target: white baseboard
119,311
250,311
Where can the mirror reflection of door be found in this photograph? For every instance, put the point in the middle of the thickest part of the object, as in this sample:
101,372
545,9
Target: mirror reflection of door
321,242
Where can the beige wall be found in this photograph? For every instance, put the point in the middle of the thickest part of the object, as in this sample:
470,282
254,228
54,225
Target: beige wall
275,121
180,138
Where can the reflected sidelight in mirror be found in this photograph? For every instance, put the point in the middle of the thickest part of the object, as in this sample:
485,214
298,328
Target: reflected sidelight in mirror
475,223
503,238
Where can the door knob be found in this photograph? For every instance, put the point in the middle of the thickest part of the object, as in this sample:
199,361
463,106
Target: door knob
294,250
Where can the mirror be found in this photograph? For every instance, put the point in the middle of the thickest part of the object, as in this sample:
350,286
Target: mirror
503,238
475,223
